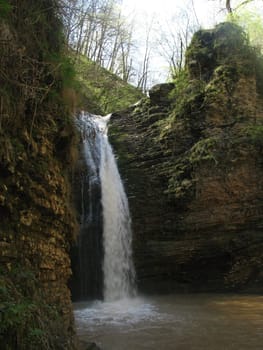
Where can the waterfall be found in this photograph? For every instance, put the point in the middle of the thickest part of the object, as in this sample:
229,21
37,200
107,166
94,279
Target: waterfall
118,269
87,253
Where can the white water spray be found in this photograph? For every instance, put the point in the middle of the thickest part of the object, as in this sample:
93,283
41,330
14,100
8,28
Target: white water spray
119,275
118,266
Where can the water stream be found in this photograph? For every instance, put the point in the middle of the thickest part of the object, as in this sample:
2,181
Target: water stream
102,173
118,267
174,322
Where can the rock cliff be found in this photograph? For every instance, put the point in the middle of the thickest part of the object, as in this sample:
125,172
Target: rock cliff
191,159
37,222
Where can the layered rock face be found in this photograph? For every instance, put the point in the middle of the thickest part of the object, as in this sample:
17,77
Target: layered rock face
191,159
37,222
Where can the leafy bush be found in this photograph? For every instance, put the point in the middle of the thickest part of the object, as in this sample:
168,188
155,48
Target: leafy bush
26,321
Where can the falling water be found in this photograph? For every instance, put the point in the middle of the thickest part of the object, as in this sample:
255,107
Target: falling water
87,253
118,267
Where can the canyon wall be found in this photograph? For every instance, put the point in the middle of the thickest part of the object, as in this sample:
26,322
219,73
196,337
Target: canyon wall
191,159
36,154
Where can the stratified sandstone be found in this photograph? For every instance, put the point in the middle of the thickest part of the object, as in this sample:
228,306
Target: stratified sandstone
37,222
193,170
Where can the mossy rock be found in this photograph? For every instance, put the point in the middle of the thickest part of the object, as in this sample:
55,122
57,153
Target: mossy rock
159,94
211,48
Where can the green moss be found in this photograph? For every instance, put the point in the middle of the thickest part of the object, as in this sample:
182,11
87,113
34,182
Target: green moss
180,184
5,8
223,83
259,72
215,61
226,44
33,77
66,73
117,140
188,99
204,150
254,134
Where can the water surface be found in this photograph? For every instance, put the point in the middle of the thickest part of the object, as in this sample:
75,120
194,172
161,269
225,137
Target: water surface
174,322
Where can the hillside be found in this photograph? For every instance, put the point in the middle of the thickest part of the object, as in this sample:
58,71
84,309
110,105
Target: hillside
102,92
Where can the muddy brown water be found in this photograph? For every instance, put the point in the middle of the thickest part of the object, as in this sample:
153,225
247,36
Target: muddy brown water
174,322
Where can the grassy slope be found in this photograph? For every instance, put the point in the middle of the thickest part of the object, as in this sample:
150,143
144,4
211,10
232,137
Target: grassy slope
101,91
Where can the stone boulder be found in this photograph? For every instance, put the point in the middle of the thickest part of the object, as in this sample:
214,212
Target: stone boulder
159,94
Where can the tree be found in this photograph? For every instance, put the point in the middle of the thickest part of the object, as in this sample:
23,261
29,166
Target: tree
252,22
231,10
228,6
174,36
144,71
97,29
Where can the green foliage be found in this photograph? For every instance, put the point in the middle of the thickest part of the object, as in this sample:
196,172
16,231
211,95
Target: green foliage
217,60
203,150
180,183
255,135
34,74
117,140
252,23
101,91
229,38
226,44
65,69
186,98
181,81
5,8
26,321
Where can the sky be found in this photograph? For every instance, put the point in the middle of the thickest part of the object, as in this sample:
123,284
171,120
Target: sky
206,10
204,13
161,12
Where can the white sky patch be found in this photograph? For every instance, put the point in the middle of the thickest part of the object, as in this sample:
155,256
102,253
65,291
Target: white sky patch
207,11
203,13
161,16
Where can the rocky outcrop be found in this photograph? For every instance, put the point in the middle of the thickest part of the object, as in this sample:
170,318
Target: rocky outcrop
193,170
159,94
